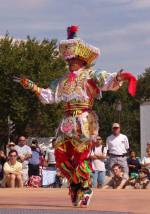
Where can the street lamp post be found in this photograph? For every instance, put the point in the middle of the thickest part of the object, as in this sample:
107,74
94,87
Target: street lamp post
119,109
11,128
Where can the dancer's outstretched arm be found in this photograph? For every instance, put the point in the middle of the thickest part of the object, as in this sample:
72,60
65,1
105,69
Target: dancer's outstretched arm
46,96
113,81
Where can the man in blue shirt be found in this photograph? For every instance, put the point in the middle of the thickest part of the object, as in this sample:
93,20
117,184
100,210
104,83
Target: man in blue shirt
2,161
34,161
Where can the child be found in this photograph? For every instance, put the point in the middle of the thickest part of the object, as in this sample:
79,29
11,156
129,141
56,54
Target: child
146,161
140,182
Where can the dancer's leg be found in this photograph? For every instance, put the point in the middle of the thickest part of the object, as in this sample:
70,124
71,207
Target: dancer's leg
64,158
62,161
82,175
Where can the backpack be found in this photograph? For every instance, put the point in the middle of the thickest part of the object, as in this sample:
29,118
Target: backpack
93,149
34,181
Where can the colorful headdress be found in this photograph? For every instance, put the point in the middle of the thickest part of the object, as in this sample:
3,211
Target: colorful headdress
74,47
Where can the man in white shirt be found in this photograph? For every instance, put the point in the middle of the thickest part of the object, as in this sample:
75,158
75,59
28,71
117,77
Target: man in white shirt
118,146
98,155
24,153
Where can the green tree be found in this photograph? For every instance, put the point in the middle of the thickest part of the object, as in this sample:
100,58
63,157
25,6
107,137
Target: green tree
40,62
143,86
128,117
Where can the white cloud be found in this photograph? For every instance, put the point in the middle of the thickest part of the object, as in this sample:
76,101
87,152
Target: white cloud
141,4
147,42
21,5
132,4
121,28
124,39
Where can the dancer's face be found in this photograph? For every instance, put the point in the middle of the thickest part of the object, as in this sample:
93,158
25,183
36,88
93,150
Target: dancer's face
119,76
75,64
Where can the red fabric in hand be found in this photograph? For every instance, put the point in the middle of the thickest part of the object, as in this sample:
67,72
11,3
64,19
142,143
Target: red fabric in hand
131,82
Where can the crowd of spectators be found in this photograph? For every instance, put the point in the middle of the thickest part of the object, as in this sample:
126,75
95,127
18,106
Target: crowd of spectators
114,165
24,164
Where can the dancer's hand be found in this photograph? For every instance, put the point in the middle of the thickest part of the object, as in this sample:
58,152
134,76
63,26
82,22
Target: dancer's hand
26,83
119,76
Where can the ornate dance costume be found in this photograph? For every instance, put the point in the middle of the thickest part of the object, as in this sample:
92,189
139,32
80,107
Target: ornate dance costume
79,127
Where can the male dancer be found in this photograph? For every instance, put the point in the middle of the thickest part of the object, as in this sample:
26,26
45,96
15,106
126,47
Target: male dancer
79,127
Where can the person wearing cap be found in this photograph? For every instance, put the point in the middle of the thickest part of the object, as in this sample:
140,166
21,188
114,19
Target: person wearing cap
118,146
10,146
77,90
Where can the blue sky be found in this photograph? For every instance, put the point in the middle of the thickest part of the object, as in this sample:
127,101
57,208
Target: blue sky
120,28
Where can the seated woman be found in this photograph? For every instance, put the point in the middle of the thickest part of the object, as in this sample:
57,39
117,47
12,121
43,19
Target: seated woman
133,164
13,171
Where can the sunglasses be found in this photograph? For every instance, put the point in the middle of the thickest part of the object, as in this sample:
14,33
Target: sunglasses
13,155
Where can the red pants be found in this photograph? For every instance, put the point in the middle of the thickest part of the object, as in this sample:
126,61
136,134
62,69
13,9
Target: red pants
72,160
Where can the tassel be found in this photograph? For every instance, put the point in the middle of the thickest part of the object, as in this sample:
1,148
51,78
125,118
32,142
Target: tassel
74,28
71,32
71,76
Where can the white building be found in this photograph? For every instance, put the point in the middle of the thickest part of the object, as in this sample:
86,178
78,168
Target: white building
145,126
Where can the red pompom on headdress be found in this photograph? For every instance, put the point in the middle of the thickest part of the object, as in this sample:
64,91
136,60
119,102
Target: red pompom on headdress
71,31
131,82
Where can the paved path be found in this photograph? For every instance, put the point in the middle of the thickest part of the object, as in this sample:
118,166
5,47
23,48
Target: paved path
106,201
